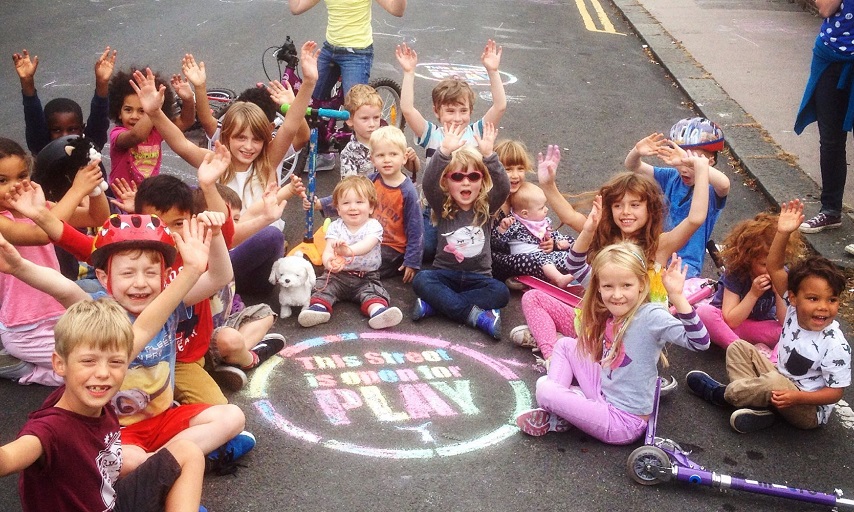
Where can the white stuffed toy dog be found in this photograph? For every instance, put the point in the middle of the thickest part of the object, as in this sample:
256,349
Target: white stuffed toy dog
295,277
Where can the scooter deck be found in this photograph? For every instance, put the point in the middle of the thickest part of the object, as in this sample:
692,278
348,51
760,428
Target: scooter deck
570,296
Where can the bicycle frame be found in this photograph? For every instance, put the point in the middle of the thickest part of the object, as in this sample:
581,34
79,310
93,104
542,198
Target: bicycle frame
660,460
311,248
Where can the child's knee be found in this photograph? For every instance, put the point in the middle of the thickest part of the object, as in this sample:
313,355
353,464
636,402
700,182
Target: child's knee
230,418
186,453
229,341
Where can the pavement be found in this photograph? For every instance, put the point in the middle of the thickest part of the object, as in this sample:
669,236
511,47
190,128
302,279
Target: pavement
744,64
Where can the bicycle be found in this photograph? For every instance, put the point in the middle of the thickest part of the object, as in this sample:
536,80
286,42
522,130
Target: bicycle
332,132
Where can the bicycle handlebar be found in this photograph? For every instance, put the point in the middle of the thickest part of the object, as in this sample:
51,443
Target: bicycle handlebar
328,113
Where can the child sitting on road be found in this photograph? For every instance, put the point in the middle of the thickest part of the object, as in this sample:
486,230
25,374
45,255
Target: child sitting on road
702,137
366,107
745,305
352,259
63,116
73,441
398,208
467,187
453,101
814,360
528,226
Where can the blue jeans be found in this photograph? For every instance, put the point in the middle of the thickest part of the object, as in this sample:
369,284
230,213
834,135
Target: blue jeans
352,64
831,104
453,293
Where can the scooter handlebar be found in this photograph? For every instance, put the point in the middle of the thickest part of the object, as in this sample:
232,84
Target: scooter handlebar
328,113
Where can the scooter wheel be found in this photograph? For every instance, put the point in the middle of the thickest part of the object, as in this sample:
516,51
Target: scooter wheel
642,460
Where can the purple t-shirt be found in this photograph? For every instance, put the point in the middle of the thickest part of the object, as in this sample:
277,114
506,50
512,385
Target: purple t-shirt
81,461
137,163
764,309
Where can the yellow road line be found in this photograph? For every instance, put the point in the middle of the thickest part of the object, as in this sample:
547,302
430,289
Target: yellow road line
607,26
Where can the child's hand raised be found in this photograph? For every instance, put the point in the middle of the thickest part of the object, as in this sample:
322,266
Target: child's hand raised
10,258
270,207
151,97
486,143
674,276
791,216
214,164
671,154
182,88
125,195
651,145
104,66
194,72
194,245
491,56
87,178
697,161
547,165
592,221
213,220
406,57
308,61
27,198
24,66
281,93
296,187
453,139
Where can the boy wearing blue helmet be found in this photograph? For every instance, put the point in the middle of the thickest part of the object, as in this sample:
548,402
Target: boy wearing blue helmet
698,135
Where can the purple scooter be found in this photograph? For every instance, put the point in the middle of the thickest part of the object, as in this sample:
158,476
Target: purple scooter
660,460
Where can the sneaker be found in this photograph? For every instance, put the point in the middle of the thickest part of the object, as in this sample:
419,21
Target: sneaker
13,368
385,317
745,421
313,315
272,343
223,460
514,284
536,422
707,388
521,336
850,249
668,386
325,162
489,321
820,222
421,310
229,378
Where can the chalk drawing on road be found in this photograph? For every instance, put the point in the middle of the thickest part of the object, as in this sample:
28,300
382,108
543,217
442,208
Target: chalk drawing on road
487,97
390,395
474,75
605,24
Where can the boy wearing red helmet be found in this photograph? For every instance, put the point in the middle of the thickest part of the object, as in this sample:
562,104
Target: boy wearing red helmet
699,135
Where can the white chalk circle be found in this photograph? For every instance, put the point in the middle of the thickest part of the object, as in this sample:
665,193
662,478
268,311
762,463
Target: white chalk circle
389,395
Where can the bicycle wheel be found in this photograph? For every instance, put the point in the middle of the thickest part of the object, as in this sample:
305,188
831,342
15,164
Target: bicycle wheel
219,100
389,91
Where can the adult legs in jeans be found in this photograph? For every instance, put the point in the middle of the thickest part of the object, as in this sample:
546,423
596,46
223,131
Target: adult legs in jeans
831,105
253,260
752,331
546,317
453,293
583,405
753,378
353,68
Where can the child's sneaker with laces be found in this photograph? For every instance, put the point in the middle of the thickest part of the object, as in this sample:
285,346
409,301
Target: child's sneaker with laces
537,422
229,378
489,321
421,310
271,344
223,460
313,315
521,336
707,388
385,317
820,222
745,421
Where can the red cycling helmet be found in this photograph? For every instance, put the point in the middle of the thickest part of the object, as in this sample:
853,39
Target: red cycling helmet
697,133
135,231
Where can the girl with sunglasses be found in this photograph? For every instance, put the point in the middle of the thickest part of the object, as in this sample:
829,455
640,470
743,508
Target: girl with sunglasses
464,188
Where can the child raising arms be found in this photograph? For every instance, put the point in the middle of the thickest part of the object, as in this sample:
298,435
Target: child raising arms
745,305
814,360
614,359
464,188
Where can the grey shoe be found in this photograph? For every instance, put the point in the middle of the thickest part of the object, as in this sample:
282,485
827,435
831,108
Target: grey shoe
13,368
745,421
325,162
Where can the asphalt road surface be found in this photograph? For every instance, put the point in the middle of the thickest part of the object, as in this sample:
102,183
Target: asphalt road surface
421,417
